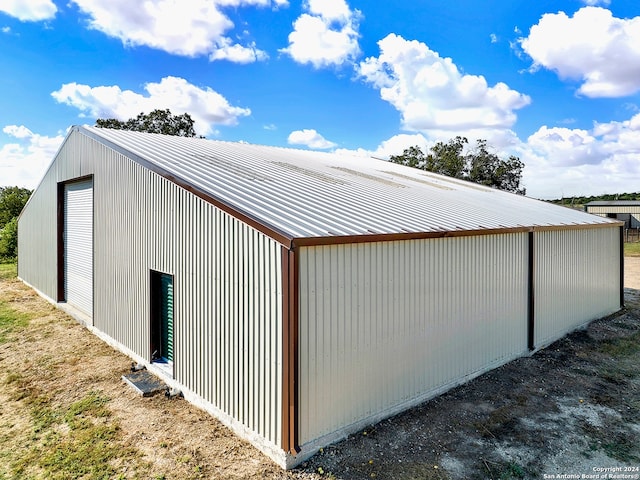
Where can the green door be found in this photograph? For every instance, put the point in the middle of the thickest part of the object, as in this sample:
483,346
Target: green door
166,320
161,317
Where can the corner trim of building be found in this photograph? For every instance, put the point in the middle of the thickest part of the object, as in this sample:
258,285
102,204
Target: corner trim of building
290,351
531,294
621,266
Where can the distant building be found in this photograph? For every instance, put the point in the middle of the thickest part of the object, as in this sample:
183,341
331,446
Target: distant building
300,296
627,211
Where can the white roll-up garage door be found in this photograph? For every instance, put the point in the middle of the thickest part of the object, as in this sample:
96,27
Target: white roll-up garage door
78,245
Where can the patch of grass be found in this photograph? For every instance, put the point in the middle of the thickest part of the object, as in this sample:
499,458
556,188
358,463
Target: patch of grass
8,270
80,441
622,347
619,445
10,321
632,249
512,470
622,448
500,421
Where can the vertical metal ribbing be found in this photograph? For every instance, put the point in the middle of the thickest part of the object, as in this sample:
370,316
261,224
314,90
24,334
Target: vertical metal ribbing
531,294
621,266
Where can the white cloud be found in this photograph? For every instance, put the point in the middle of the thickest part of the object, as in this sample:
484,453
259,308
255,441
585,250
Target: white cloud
494,38
17,131
23,163
594,47
558,161
6,29
191,30
325,36
237,53
310,138
206,106
562,161
393,146
606,3
432,95
29,11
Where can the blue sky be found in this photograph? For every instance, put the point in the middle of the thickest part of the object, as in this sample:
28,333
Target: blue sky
556,83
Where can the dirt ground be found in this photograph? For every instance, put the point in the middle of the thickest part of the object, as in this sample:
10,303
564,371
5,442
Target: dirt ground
570,409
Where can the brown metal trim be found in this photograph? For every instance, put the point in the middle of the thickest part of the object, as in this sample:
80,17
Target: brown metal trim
289,351
531,298
271,231
286,385
294,354
390,237
60,242
575,226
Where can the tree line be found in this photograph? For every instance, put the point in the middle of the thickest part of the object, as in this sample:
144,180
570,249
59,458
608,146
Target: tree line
478,165
12,201
582,200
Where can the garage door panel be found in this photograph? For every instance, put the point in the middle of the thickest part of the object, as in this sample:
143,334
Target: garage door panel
78,245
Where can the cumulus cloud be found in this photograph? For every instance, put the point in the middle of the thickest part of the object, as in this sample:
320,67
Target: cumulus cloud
17,131
393,146
29,11
327,35
206,106
432,95
169,25
593,47
310,138
562,161
24,162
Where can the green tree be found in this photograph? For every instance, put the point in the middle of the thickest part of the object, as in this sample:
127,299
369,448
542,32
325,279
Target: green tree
157,121
9,240
479,165
12,201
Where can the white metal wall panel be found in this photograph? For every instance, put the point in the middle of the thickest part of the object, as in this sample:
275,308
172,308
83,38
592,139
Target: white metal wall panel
227,279
577,279
227,288
383,324
37,239
78,245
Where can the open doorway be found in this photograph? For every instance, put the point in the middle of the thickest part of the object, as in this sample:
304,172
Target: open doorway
162,319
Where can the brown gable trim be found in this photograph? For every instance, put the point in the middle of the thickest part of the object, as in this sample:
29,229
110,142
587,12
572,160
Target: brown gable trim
390,237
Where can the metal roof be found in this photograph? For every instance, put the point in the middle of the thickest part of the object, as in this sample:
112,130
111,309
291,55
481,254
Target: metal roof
303,194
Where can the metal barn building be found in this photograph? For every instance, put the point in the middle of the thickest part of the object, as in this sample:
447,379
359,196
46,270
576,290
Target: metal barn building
300,296
627,211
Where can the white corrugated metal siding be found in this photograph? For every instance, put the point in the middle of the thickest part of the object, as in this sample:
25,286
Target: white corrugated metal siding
577,279
383,324
37,239
227,279
78,245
